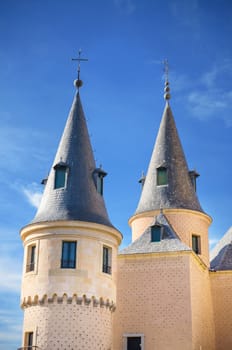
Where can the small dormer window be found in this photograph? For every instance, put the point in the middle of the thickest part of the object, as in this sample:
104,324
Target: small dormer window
193,177
61,170
156,232
162,176
99,175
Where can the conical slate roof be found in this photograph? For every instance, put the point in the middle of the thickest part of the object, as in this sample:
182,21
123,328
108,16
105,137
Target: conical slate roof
79,198
221,255
168,153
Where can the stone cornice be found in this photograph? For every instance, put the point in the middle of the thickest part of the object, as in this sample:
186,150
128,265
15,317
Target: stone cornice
151,213
80,225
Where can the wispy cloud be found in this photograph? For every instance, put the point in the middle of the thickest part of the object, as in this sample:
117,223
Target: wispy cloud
17,145
10,281
127,6
11,328
33,194
209,96
223,69
186,14
204,105
212,242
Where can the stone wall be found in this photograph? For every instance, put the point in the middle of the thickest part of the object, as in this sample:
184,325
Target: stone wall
61,325
203,332
221,286
153,299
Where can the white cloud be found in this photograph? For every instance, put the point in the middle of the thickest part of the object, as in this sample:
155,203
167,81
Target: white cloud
33,194
186,14
127,6
211,104
10,272
212,242
18,145
11,328
221,70
209,97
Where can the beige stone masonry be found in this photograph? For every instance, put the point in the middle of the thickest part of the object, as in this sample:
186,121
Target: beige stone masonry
221,287
64,326
153,298
184,222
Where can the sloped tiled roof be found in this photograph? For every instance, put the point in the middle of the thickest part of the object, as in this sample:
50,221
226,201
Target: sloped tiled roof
170,241
168,153
79,199
221,255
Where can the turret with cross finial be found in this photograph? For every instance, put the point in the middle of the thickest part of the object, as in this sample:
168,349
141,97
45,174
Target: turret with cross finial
72,272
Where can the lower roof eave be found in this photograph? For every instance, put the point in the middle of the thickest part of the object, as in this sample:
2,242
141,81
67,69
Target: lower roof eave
152,213
84,225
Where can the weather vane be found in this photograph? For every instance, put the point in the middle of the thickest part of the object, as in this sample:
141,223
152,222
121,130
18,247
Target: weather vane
78,82
166,69
167,94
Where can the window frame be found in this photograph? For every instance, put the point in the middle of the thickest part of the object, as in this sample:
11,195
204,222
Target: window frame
196,244
69,263
107,260
153,227
132,335
28,340
159,176
31,258
58,168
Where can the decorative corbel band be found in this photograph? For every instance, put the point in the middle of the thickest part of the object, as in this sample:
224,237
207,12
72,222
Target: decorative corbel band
64,299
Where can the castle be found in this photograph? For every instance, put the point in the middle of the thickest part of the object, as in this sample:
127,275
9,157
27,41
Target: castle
158,293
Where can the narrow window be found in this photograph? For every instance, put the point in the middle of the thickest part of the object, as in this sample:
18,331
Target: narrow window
162,176
60,177
61,171
106,261
196,244
68,259
100,184
193,177
156,233
99,175
29,340
31,258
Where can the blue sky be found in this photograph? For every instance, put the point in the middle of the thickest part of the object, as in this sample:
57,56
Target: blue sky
126,42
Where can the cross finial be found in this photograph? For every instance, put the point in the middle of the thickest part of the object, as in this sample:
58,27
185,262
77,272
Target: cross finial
78,82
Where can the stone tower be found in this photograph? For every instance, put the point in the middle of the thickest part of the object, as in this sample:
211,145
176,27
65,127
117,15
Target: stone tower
70,251
171,188
163,297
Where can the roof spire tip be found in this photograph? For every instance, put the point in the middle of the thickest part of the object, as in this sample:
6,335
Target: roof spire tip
167,94
78,82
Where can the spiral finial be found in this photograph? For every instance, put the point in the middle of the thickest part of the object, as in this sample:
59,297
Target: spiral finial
167,94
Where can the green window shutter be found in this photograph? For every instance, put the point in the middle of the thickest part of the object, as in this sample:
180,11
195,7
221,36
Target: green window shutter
162,176
60,177
155,233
